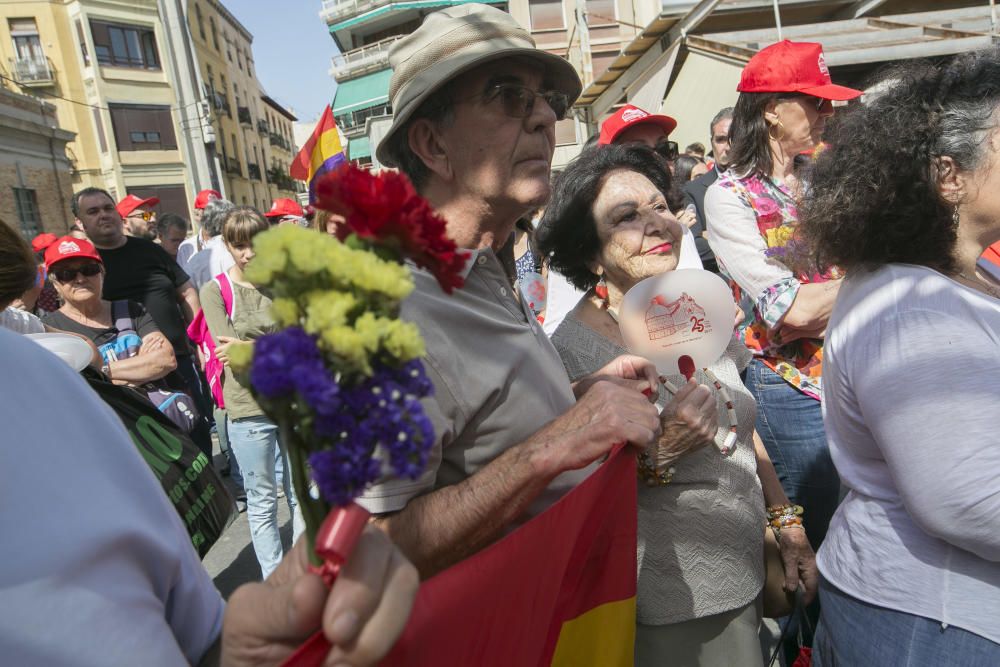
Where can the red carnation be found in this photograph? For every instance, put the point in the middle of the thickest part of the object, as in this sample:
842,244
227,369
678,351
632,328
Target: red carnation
385,209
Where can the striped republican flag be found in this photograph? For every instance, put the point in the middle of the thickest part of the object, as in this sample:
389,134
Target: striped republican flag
320,155
989,263
559,591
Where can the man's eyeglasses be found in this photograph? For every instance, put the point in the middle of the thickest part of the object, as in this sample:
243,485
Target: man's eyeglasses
519,101
145,215
66,275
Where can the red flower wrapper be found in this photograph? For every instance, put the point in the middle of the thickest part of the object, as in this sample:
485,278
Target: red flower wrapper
385,209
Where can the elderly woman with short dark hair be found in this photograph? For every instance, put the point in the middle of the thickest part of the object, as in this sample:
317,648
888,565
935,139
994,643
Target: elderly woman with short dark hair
911,563
701,513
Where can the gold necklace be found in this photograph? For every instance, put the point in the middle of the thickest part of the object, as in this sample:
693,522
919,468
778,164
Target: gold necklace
979,282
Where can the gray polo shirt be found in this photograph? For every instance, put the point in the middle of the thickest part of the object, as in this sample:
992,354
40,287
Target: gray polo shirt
497,380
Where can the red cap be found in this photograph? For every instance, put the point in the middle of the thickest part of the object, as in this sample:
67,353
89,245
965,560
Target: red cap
42,241
204,196
131,202
628,116
68,247
792,67
283,207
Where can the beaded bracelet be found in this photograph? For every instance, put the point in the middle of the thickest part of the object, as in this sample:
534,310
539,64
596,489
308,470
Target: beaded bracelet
647,471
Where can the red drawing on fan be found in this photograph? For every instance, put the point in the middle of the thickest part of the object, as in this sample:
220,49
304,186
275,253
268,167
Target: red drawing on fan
668,318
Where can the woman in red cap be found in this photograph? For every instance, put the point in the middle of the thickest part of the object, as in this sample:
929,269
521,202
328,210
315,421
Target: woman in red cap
785,100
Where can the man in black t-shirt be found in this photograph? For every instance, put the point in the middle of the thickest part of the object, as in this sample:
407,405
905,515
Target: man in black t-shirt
139,270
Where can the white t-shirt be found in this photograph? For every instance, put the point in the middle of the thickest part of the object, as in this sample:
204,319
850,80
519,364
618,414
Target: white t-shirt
20,321
911,379
562,297
98,568
209,262
187,249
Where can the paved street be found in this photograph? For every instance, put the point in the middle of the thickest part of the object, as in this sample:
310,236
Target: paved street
231,561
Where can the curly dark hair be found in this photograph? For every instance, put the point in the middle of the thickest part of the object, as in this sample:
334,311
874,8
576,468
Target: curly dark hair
874,197
567,234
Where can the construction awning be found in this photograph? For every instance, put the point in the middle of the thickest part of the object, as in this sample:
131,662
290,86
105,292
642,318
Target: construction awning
361,93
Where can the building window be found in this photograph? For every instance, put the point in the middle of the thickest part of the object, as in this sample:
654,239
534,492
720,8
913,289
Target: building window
83,43
27,212
201,22
215,32
601,12
124,45
142,127
546,14
239,58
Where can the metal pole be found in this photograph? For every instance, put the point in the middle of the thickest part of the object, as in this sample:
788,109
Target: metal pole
777,18
586,64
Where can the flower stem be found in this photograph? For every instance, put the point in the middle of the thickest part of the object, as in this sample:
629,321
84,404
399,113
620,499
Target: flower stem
313,511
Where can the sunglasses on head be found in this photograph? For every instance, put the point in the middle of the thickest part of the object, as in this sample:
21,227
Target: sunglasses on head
519,101
145,215
66,275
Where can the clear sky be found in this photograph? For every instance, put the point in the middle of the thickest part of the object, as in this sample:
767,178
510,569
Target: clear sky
292,50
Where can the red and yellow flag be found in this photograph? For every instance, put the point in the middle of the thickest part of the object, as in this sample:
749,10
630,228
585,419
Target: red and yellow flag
559,591
320,155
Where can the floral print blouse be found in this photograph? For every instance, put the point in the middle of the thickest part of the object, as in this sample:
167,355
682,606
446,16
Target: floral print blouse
753,230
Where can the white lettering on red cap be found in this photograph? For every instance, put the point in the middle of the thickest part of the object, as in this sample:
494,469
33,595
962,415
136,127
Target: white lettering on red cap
633,114
67,247
822,64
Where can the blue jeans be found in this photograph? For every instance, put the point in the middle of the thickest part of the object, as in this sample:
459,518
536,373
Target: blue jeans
791,425
255,442
852,632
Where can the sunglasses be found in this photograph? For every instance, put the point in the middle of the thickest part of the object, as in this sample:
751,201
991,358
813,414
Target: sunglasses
519,101
668,150
817,102
145,215
66,275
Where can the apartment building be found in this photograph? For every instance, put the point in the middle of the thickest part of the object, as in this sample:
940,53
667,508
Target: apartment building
588,33
35,183
104,67
253,138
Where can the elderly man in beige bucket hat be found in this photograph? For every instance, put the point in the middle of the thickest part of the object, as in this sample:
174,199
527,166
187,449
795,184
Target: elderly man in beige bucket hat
475,106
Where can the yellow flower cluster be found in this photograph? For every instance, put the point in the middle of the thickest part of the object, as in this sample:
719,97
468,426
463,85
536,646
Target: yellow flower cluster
291,258
240,357
347,297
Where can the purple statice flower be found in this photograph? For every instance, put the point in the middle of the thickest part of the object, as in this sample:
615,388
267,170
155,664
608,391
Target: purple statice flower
317,387
276,355
342,472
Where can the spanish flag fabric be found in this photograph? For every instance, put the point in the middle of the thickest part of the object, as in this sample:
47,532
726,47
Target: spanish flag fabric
320,155
560,590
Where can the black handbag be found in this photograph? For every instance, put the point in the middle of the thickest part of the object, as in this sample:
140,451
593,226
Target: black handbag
187,475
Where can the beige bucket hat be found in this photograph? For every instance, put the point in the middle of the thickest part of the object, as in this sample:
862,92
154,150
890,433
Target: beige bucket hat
453,41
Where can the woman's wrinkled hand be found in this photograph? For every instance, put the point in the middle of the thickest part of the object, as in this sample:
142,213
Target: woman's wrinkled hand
689,422
799,562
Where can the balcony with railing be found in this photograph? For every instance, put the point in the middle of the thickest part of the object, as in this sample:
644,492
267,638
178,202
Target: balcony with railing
33,70
233,166
220,103
279,177
279,141
263,127
253,170
243,113
338,10
368,58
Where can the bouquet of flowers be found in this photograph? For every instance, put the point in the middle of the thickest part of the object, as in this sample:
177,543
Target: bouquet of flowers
343,376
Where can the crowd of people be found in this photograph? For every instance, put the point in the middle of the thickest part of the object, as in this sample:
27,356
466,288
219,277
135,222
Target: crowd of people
858,385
